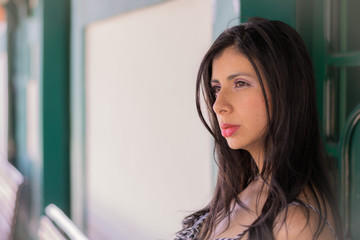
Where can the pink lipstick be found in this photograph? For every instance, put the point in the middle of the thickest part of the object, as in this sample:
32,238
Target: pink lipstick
228,129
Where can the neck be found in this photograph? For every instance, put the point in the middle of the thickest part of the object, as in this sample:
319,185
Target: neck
258,156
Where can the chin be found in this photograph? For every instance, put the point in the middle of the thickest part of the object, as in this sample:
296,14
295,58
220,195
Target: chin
234,146
237,145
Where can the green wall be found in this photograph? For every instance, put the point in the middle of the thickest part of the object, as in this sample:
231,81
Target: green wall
274,10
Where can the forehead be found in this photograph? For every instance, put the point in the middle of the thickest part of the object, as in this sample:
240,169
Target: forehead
232,61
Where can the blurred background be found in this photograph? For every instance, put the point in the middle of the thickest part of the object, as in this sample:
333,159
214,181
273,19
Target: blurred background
97,106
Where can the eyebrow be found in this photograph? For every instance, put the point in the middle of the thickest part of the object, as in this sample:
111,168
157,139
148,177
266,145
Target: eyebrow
232,76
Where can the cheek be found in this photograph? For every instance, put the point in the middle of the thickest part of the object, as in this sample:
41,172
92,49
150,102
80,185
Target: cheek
261,105
256,111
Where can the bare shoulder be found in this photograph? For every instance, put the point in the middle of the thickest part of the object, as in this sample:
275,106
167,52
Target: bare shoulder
299,223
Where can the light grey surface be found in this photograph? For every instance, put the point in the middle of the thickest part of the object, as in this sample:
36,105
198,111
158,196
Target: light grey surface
84,12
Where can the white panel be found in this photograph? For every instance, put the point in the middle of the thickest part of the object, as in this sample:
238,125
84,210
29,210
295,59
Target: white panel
148,155
32,120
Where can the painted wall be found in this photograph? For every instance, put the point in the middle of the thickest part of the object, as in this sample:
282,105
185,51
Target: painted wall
3,89
148,156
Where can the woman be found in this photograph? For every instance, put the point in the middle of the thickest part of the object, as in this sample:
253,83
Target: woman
258,83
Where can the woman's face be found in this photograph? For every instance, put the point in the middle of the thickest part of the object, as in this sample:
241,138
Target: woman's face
239,106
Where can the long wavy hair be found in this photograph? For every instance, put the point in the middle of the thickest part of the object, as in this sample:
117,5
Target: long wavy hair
294,155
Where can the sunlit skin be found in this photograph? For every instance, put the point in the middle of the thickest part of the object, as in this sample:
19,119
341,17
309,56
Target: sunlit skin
239,102
241,112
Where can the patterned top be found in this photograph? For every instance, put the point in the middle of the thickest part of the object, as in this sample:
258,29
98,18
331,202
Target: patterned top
191,232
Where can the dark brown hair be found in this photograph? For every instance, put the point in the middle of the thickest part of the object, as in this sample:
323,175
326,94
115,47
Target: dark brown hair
294,154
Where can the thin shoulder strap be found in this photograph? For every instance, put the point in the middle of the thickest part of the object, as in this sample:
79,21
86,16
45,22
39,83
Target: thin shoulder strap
315,209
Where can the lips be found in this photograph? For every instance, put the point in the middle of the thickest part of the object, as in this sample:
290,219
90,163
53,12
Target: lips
228,129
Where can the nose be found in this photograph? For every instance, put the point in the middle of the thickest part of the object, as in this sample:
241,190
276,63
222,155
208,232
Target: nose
222,103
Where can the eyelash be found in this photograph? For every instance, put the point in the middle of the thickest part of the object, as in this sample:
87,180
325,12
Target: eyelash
216,88
242,83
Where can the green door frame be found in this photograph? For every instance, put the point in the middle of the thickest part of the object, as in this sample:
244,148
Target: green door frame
55,103
346,167
274,10
337,146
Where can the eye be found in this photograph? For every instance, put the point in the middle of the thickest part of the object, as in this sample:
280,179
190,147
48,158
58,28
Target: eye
216,89
239,84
